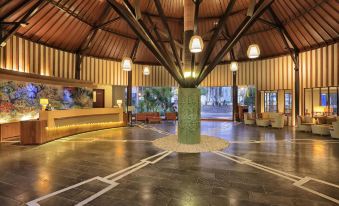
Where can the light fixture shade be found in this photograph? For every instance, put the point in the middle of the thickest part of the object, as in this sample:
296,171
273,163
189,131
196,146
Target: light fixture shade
234,66
196,44
3,44
147,70
253,51
44,102
126,64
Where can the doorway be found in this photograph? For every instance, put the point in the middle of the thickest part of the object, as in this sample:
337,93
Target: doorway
98,98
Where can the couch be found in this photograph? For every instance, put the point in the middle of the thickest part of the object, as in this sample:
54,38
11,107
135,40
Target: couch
278,121
171,116
267,118
304,123
248,119
323,125
334,130
150,117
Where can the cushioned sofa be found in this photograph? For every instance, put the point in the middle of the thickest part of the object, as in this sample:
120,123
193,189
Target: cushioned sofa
335,129
271,118
304,123
323,125
148,117
248,119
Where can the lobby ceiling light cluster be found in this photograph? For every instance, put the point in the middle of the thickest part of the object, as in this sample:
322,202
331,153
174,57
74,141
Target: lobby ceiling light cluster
126,64
253,51
196,44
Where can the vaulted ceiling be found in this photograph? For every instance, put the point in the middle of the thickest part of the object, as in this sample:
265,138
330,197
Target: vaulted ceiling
68,24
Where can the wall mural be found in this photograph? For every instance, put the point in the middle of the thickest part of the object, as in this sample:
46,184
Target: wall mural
21,100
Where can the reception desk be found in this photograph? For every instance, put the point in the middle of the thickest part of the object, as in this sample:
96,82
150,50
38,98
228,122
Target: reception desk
55,124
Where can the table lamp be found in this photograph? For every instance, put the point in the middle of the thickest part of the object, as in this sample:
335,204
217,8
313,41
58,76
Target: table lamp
44,103
319,110
119,102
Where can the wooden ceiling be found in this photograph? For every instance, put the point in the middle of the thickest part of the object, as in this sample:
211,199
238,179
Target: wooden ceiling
67,24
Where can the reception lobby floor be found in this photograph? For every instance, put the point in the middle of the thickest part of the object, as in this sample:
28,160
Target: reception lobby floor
262,166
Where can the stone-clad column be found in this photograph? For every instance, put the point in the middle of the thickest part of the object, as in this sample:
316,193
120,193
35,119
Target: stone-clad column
189,116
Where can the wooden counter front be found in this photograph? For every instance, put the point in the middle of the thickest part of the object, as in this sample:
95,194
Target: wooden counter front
77,121
52,117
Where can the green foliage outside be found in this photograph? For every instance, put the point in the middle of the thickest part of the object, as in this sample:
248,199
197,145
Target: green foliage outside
156,99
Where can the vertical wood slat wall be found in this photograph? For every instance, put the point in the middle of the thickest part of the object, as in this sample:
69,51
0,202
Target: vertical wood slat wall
25,56
158,77
101,71
318,68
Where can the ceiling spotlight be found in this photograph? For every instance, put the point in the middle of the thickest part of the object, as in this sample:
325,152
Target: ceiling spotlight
253,51
126,64
234,66
146,70
23,25
196,44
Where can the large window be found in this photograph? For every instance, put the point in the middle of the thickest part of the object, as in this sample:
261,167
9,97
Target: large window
155,99
321,101
271,101
246,97
216,103
288,102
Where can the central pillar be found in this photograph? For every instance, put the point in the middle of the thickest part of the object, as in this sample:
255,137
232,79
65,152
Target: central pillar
189,116
189,98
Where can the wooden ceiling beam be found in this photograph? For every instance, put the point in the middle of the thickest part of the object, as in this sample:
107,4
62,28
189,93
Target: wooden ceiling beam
261,6
31,12
136,27
285,35
15,9
208,51
108,22
143,26
163,47
195,30
86,44
160,46
165,23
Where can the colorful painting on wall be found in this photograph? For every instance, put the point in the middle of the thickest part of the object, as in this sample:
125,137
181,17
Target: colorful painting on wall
21,100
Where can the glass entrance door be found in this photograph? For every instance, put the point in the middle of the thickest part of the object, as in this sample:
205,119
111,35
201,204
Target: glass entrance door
216,103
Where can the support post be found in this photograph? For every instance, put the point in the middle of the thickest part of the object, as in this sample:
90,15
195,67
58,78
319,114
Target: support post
297,84
189,116
129,97
78,60
235,97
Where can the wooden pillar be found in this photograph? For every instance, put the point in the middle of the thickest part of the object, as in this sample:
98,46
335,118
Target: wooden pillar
188,69
129,95
189,98
297,84
78,60
235,97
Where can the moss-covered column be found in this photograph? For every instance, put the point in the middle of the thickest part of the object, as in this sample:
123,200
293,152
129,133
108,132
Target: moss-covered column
189,116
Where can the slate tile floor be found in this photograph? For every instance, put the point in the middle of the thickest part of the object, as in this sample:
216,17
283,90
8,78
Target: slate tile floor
29,172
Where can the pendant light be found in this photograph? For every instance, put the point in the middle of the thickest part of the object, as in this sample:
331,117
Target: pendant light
146,70
126,64
196,44
234,66
253,51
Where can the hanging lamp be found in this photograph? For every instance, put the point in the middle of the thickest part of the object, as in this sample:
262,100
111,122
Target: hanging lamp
196,44
253,51
126,64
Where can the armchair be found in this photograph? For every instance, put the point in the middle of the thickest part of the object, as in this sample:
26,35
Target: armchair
248,120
